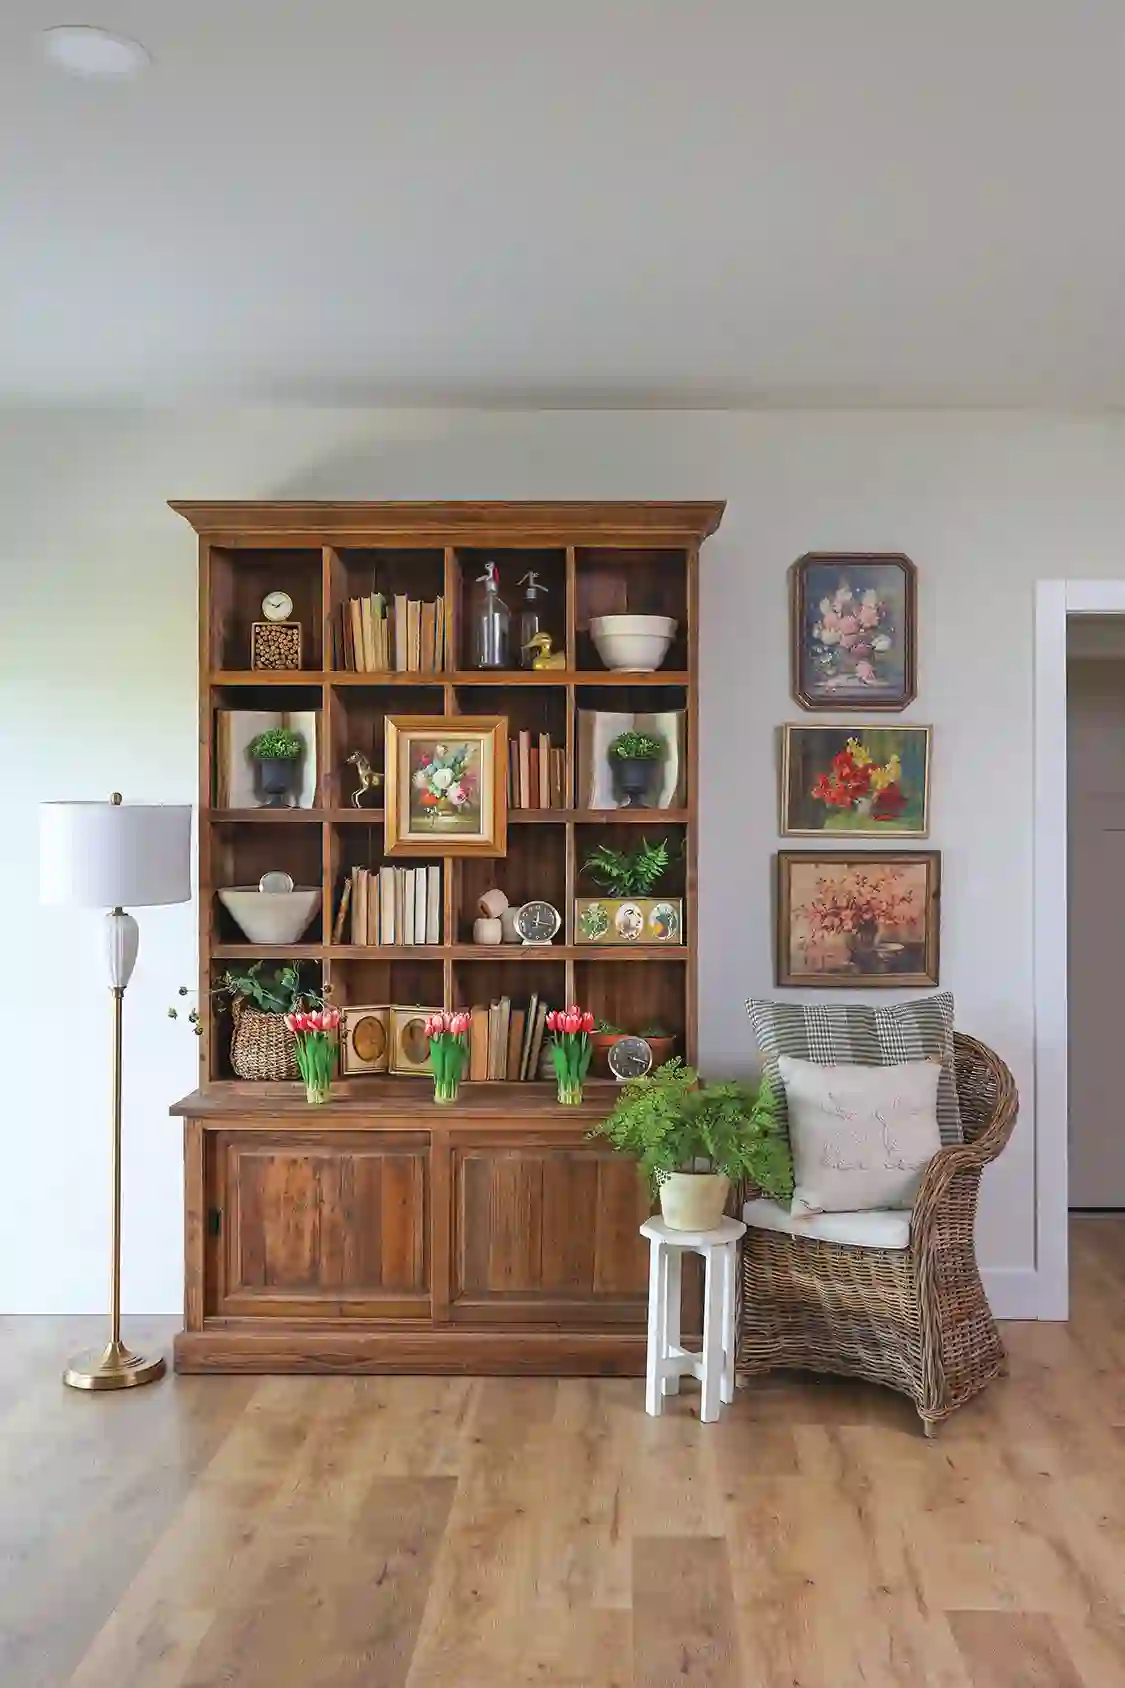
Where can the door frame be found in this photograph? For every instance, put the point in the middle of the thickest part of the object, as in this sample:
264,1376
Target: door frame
1056,601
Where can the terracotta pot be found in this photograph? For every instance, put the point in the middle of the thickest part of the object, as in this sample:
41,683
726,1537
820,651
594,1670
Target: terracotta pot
694,1201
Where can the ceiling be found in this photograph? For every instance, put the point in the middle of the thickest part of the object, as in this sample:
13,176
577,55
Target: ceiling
591,202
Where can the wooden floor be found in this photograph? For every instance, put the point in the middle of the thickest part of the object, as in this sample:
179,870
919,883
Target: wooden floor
447,1533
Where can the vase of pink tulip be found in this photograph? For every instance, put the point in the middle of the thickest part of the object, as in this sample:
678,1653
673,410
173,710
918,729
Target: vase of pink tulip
316,1031
570,1030
449,1052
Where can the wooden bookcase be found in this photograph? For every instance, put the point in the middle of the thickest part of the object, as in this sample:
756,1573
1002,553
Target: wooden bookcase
380,1232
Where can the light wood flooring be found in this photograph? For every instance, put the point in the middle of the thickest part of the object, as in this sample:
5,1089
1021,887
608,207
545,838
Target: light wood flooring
496,1533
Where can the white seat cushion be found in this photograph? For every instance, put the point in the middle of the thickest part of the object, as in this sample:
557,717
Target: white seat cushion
878,1227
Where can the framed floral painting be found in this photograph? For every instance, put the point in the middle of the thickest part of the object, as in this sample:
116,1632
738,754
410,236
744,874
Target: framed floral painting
854,631
859,921
869,781
446,785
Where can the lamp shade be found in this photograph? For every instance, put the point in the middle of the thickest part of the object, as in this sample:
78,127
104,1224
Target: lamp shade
114,855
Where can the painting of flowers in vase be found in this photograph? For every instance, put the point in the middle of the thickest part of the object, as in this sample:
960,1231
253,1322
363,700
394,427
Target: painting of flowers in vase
446,785
868,782
854,631
860,921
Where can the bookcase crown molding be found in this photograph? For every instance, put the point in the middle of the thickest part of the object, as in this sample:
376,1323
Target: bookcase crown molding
574,522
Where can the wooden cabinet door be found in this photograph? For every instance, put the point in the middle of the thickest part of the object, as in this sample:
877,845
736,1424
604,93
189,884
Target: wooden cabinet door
547,1233
327,1226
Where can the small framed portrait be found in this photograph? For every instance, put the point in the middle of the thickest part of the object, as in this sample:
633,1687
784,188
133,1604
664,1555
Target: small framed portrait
446,785
868,781
410,1047
854,631
858,921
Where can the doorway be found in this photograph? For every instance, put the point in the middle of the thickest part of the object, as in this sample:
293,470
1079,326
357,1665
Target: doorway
1095,762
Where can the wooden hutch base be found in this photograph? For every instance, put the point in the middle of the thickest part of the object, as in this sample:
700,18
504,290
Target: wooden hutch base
381,1232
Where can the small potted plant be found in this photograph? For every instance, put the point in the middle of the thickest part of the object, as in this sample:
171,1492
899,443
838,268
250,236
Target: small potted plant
277,752
692,1140
633,756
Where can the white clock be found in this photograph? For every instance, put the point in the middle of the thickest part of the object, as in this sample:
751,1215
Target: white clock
537,922
277,606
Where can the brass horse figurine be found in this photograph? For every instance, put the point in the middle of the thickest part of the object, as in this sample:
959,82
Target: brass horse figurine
369,780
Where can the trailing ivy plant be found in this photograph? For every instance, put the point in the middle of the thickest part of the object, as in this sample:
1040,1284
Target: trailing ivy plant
622,873
277,989
670,1122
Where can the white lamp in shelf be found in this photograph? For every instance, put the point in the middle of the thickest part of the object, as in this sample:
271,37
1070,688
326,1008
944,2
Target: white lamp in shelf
107,855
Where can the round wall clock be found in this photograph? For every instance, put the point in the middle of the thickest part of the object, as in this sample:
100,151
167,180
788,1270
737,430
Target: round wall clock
277,606
630,1057
537,922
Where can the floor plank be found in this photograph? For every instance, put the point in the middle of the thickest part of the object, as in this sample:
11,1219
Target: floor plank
415,1532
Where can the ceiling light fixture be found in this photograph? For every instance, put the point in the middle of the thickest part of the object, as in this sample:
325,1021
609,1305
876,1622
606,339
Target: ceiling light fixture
86,50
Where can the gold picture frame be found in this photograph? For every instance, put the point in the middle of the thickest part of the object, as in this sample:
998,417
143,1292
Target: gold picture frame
409,1045
446,785
858,920
365,1039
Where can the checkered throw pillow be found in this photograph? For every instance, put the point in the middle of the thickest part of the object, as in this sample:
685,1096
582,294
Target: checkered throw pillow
854,1034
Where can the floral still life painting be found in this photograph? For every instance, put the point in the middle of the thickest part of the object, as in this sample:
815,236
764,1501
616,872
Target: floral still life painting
444,786
868,782
853,631
865,921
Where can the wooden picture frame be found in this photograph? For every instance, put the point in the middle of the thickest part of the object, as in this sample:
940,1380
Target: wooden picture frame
862,920
853,630
365,1039
868,780
409,1046
428,818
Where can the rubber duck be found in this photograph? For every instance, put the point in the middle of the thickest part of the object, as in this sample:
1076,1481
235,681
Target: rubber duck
545,657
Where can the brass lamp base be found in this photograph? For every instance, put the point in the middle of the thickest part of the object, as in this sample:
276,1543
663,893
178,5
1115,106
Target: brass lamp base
112,1367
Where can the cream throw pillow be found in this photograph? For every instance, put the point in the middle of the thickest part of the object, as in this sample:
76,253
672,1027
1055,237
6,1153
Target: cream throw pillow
861,1136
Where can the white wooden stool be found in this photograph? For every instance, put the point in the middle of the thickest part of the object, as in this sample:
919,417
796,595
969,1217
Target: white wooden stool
667,1360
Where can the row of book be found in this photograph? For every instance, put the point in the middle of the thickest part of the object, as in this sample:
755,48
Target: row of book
506,1042
536,772
390,905
380,635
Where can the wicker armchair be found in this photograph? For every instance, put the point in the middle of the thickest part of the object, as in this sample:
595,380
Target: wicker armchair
914,1319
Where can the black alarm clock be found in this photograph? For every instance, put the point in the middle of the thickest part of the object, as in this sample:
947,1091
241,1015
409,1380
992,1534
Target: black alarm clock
630,1057
537,922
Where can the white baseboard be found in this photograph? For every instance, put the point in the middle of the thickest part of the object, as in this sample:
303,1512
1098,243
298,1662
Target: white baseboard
1020,1292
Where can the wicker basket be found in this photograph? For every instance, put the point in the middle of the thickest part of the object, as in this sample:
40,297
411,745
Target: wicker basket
262,1046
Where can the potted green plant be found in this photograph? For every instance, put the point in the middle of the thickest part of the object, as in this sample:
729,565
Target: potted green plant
277,752
625,873
633,757
691,1140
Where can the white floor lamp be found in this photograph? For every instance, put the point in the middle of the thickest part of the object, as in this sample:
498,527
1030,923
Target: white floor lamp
107,855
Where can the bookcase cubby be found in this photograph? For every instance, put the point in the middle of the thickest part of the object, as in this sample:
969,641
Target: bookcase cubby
263,1294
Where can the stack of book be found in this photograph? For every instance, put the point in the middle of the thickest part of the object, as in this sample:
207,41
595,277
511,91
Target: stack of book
536,772
381,635
390,905
506,1042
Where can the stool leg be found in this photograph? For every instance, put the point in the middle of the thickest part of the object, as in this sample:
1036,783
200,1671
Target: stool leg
712,1339
730,1334
657,1281
671,1321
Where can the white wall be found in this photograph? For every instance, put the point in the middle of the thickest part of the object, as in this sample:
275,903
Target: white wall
97,687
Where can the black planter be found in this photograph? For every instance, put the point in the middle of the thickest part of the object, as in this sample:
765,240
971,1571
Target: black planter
275,780
634,774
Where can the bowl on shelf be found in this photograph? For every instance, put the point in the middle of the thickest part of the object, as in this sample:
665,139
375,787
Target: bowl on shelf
271,917
638,643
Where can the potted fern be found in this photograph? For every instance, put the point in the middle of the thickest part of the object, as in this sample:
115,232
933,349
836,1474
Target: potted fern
693,1140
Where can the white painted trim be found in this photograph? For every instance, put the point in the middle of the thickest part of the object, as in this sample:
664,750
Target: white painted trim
1017,1292
1055,601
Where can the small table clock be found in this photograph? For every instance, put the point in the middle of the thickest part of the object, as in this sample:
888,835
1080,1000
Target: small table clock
630,1057
275,642
537,922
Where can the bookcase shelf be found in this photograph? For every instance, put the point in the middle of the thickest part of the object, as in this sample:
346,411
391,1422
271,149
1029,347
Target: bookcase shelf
381,1232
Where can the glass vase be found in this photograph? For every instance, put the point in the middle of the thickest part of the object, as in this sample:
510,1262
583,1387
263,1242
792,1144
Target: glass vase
569,1091
317,1091
446,1087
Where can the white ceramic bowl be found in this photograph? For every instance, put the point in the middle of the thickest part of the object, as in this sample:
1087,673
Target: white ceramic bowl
637,642
270,917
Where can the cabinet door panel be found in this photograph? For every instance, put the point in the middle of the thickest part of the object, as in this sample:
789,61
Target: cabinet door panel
334,1225
548,1232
